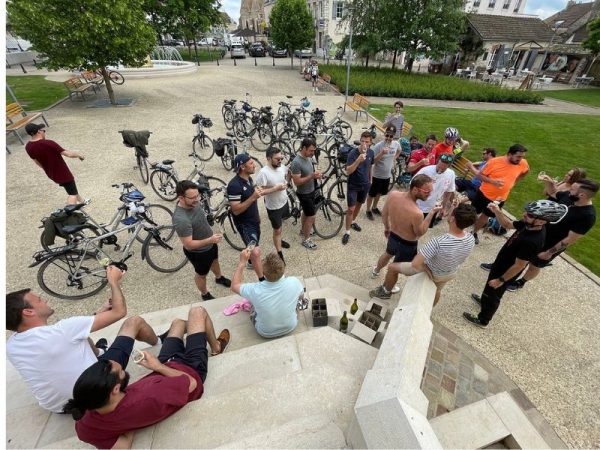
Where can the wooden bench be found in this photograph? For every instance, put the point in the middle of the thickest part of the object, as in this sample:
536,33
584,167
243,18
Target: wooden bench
92,78
17,118
360,105
78,87
461,167
406,128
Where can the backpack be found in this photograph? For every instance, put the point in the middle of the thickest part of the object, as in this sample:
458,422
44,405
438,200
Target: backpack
53,225
343,153
494,227
219,146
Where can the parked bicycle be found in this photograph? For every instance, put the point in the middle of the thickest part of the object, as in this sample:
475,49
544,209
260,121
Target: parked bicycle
78,269
56,225
202,144
138,140
115,77
227,149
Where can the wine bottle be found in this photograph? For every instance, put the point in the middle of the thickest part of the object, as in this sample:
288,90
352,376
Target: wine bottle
344,323
354,307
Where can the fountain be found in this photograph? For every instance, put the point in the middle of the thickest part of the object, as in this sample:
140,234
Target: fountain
163,61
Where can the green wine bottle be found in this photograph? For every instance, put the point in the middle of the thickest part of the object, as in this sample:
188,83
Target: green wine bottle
344,323
354,307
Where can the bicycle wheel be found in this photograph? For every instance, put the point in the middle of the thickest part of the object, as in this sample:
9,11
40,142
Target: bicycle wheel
230,232
163,250
216,197
240,129
72,276
142,164
338,191
228,157
345,128
160,215
116,77
60,242
203,147
329,220
164,184
228,116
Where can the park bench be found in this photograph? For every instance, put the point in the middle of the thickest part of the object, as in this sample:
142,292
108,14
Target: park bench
406,128
461,168
92,78
17,118
360,105
78,87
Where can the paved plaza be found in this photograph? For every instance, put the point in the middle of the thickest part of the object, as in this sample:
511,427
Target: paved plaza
544,339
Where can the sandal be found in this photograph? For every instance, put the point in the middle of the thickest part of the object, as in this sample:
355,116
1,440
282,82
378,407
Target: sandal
223,339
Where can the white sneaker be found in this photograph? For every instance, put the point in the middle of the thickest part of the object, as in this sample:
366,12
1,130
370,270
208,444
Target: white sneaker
374,273
396,289
308,244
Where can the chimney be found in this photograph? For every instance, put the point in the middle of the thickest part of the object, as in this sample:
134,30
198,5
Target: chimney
570,3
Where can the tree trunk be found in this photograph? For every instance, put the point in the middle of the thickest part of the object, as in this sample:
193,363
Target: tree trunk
109,89
367,60
394,59
196,53
409,64
292,59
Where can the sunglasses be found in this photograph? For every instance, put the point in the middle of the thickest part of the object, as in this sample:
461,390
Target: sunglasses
389,134
425,191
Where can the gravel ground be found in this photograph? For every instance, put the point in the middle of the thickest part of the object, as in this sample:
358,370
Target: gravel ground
545,338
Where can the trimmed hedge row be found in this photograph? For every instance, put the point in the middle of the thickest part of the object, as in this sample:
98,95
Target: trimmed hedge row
396,83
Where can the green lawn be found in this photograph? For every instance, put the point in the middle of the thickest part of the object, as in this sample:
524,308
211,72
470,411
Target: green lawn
555,142
589,97
34,92
203,53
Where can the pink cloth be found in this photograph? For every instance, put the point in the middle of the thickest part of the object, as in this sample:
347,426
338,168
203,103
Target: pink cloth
235,308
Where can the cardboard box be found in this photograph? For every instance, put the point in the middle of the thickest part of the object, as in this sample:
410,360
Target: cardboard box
319,312
370,322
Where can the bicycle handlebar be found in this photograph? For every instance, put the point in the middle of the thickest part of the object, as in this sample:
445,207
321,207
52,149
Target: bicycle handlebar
123,185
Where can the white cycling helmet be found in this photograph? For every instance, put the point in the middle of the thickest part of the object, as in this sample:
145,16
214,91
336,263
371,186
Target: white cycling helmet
451,133
547,210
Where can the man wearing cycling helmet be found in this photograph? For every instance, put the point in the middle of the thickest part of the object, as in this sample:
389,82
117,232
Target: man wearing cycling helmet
451,142
520,249
579,220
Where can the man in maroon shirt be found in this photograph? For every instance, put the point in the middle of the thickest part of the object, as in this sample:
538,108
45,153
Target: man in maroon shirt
108,411
49,156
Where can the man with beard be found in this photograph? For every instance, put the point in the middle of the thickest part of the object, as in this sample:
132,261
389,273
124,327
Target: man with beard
108,412
519,250
498,178
403,224
273,180
579,220
422,157
49,358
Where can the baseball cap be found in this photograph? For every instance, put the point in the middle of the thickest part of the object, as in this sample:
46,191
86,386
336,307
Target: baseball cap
391,129
446,158
32,128
240,160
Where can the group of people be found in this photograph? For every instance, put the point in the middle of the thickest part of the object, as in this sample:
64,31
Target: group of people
68,372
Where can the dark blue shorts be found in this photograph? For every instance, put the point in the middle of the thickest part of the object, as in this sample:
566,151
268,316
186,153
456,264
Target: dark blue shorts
249,231
193,354
120,350
401,249
357,194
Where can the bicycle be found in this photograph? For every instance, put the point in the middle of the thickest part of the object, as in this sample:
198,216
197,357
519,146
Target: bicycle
227,150
76,215
202,140
164,177
78,269
114,76
252,122
138,140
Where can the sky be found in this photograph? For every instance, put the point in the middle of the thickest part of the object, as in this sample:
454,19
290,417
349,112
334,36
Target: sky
541,8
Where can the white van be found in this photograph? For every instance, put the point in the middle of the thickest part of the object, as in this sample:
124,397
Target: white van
237,51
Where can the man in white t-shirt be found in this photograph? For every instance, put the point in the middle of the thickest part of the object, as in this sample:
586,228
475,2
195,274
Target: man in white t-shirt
443,187
274,299
273,180
50,358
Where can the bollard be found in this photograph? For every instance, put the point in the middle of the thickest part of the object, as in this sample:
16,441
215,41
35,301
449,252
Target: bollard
234,62
273,61
255,61
218,62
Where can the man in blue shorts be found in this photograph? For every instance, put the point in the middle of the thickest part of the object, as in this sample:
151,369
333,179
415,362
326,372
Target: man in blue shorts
359,169
242,195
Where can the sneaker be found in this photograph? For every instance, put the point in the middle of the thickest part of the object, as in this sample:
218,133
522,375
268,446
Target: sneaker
380,292
513,286
207,296
486,266
355,226
102,344
163,336
224,339
476,238
474,320
374,273
370,215
476,298
223,281
284,244
309,244
345,238
376,211
395,289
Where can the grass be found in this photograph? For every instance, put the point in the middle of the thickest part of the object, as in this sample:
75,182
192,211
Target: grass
555,143
34,92
203,53
589,97
394,83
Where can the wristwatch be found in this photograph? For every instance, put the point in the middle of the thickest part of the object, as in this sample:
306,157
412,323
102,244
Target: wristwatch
502,279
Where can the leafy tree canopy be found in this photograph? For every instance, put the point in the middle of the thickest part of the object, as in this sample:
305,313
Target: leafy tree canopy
291,25
592,43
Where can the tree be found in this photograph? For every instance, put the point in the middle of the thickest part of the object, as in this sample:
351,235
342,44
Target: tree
291,25
471,45
84,34
592,43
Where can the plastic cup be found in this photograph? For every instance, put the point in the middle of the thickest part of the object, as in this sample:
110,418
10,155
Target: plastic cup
138,356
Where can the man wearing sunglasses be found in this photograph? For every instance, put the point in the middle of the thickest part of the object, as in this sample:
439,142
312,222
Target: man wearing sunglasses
470,187
386,153
518,251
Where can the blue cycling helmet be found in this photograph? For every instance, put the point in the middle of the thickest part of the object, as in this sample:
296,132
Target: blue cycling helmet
405,145
133,196
305,103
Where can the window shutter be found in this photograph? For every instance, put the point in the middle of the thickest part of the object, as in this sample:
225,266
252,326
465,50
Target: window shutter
333,9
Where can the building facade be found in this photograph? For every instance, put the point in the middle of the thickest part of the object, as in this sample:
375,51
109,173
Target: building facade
252,15
496,7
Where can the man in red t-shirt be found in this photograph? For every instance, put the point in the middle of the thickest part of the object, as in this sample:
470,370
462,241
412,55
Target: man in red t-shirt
451,138
49,156
422,157
108,411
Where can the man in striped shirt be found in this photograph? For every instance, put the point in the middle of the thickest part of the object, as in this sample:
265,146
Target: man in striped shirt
441,256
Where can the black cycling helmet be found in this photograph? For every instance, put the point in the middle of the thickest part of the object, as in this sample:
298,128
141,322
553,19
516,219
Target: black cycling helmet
547,210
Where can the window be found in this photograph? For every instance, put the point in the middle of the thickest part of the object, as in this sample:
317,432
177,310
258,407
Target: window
485,55
476,3
517,6
339,10
492,4
506,4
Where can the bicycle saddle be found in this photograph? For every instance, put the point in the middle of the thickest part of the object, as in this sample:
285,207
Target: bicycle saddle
289,96
70,229
168,162
230,134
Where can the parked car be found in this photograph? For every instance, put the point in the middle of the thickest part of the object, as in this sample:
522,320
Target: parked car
304,53
237,51
256,49
277,52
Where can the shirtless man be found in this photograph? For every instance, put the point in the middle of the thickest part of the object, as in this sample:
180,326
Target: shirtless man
403,224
